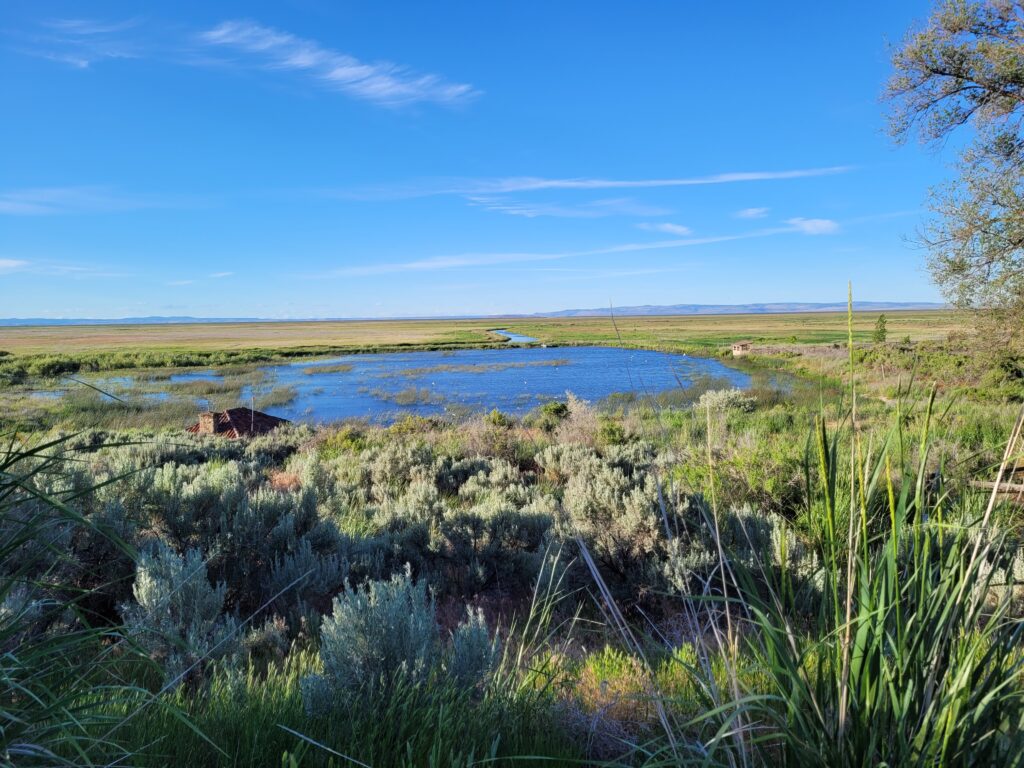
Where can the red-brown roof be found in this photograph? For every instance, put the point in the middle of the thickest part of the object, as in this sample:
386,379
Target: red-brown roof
239,422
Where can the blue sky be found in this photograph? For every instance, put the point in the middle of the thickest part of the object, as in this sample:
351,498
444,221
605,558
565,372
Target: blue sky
332,159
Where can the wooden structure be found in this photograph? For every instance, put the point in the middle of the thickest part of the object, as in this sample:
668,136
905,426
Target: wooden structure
1009,482
740,348
1010,489
235,422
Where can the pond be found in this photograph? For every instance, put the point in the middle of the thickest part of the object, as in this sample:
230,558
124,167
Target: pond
515,380
383,387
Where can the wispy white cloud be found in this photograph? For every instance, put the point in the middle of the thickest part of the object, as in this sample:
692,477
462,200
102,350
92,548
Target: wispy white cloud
573,275
51,200
594,209
491,259
50,268
90,27
670,229
380,82
751,213
435,263
82,42
220,274
511,184
814,226
180,282
469,260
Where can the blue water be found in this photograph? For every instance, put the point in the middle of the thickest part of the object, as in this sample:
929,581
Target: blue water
513,380
514,338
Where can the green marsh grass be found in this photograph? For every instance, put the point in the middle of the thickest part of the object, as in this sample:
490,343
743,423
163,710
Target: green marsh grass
313,370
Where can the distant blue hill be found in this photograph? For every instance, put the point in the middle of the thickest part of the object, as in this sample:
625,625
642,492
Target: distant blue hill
647,309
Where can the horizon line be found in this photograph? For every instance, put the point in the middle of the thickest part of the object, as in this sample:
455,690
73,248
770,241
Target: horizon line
669,310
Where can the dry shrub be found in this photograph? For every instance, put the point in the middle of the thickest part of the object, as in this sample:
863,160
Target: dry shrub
481,436
280,480
601,738
610,706
581,425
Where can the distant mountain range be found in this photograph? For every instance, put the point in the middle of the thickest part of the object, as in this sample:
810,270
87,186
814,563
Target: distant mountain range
645,310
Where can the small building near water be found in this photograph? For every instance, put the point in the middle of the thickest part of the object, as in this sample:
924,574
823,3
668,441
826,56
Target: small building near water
235,422
740,348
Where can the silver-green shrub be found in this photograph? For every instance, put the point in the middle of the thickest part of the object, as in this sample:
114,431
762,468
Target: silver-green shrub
473,655
561,461
726,400
386,633
301,582
395,466
375,634
620,520
260,540
177,614
757,542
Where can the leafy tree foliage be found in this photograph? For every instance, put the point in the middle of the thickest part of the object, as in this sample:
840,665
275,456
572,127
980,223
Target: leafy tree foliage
880,332
965,67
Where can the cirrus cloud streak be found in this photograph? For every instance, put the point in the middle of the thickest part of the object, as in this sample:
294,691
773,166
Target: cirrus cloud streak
490,259
381,82
496,186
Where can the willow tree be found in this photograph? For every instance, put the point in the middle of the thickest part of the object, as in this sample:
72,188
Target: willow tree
964,69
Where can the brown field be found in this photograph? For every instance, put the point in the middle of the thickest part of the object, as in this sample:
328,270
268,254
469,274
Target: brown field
689,331
216,336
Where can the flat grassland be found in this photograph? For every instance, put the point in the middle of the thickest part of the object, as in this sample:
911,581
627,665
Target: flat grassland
679,332
56,339
712,331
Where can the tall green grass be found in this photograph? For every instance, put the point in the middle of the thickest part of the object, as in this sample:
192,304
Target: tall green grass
59,669
255,717
913,657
